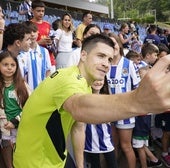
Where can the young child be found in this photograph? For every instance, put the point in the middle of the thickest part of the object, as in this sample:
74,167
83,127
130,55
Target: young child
142,127
98,141
35,64
13,95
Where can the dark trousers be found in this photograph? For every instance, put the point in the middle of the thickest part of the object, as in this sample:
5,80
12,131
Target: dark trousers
92,160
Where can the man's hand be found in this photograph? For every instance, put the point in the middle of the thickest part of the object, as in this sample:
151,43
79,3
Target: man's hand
154,90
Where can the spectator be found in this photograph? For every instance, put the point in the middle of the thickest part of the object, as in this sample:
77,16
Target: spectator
122,78
163,38
86,20
106,28
134,56
38,9
34,64
25,9
163,50
152,36
16,38
64,41
99,140
13,95
125,38
149,55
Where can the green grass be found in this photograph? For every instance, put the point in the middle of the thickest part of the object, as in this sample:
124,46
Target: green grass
163,25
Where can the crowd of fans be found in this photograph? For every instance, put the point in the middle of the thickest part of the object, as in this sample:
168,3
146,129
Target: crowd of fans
54,43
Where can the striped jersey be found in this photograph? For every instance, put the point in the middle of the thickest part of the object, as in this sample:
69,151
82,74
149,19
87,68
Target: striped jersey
123,78
98,138
36,65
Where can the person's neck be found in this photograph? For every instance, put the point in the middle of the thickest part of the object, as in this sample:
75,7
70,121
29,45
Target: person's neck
84,74
37,20
33,45
116,59
8,81
65,29
13,50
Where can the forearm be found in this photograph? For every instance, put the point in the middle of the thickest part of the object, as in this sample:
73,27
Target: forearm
78,141
102,108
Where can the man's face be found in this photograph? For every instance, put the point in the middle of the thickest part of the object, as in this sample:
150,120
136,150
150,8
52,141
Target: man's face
38,13
88,19
97,62
25,43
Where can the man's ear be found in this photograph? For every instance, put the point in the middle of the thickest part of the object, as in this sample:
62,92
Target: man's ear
18,43
83,55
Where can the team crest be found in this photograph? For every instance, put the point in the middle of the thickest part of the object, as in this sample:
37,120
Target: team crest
125,72
79,76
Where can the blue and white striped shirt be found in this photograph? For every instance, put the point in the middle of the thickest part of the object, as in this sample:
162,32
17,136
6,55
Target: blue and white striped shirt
123,78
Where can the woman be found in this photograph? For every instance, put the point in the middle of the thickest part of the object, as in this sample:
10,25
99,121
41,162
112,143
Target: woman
122,78
64,40
125,38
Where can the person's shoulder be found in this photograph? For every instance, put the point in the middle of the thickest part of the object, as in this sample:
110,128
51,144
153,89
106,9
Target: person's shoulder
46,22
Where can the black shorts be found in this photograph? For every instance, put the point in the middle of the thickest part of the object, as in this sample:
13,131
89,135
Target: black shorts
163,121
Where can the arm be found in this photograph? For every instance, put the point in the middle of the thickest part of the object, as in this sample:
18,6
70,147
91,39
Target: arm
2,26
150,96
125,40
78,141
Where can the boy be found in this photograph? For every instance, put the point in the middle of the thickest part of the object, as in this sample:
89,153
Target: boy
16,38
38,10
35,64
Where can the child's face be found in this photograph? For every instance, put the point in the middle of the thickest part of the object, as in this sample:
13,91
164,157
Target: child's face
136,60
38,13
34,36
152,58
7,67
97,85
24,45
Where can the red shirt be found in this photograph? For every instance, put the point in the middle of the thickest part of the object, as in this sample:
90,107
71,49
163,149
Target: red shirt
43,31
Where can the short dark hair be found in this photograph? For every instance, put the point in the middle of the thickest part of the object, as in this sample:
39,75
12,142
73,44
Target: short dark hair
91,41
162,47
13,32
37,3
31,25
149,48
85,14
132,54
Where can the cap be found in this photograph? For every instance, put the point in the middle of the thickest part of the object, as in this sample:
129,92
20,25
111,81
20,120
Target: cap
107,26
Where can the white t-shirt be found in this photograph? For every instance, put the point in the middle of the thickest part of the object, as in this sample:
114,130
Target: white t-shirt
65,40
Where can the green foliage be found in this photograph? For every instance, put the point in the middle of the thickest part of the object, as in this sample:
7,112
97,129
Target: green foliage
141,9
